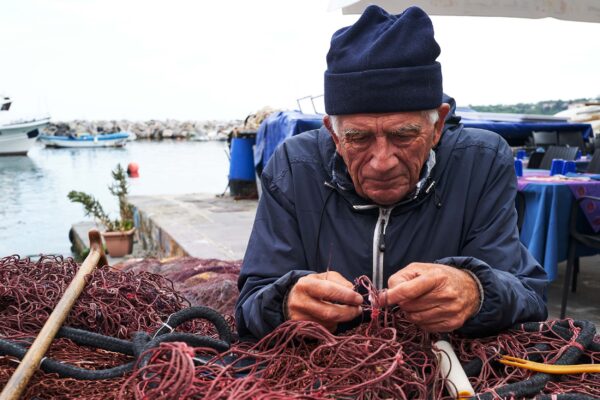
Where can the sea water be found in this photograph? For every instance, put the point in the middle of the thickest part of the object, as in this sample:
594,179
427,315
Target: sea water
35,214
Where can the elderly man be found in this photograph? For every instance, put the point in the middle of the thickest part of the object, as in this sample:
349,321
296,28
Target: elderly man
392,187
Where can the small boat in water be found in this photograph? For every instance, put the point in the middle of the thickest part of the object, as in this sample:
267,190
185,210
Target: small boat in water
118,139
18,136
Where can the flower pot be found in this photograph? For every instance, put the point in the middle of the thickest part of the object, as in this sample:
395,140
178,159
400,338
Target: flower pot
119,243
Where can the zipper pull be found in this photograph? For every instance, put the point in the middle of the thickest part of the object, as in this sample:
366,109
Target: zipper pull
382,236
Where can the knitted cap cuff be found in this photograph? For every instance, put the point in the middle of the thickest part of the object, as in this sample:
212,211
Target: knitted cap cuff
384,90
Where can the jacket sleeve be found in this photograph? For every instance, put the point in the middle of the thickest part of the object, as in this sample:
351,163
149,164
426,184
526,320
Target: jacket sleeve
513,281
274,258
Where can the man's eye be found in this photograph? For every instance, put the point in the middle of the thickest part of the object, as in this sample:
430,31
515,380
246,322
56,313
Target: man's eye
401,137
358,138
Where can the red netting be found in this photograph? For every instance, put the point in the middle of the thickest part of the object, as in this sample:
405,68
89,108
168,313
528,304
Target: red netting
210,282
113,303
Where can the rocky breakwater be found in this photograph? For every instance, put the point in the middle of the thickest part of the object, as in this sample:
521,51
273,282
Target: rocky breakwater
153,129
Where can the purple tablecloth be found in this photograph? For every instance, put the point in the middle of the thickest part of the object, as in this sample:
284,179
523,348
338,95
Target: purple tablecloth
548,201
578,187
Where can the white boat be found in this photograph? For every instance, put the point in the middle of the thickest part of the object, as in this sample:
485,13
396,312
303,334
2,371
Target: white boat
18,136
118,139
587,113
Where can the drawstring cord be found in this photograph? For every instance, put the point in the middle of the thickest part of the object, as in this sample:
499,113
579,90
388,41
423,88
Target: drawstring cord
317,254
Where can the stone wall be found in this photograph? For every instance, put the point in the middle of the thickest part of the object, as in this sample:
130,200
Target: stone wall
153,129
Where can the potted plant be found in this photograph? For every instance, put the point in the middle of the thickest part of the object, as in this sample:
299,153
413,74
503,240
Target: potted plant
119,232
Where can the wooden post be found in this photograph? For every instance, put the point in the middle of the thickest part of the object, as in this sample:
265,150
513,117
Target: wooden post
31,362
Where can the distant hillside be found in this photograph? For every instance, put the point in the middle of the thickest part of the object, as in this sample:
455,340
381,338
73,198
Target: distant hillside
547,107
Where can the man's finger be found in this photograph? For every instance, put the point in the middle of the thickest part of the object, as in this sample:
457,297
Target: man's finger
397,279
325,313
336,277
410,272
332,292
433,315
336,312
422,304
412,289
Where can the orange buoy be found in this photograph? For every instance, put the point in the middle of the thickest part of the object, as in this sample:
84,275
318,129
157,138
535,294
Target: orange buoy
133,170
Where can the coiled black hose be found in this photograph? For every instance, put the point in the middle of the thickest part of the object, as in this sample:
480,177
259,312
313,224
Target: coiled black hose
140,343
198,312
65,370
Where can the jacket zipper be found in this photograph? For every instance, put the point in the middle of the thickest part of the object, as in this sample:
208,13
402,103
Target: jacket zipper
380,226
379,246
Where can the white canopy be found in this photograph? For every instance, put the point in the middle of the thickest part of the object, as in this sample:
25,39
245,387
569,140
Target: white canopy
571,10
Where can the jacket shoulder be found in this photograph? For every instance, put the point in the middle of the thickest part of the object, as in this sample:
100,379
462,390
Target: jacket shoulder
484,140
310,147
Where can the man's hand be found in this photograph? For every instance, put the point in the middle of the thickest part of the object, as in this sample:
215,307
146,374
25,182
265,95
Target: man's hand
327,298
438,298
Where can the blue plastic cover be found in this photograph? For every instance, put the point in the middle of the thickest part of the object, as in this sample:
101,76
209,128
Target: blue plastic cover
278,127
519,131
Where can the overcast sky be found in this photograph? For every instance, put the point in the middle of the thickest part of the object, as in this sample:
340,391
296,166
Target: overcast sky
112,59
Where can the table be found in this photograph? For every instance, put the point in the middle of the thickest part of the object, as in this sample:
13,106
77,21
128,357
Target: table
545,230
581,164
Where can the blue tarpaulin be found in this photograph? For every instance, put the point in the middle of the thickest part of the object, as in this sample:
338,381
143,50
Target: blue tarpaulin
516,133
278,127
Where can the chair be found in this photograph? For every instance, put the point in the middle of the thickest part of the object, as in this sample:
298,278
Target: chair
571,139
594,165
520,205
576,237
595,143
545,138
560,152
535,159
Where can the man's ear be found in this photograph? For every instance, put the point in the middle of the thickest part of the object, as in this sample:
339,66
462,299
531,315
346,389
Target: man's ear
442,111
329,126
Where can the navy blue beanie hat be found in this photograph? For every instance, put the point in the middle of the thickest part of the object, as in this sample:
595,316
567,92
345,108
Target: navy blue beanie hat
384,63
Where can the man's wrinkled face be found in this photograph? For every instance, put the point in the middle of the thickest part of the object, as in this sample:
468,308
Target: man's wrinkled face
385,153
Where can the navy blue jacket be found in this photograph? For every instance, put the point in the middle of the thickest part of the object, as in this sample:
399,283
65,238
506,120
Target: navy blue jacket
310,218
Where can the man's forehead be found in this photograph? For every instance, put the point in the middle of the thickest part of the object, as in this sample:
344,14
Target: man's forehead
365,121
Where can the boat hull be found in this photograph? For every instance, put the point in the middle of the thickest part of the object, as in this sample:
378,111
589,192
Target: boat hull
109,140
18,138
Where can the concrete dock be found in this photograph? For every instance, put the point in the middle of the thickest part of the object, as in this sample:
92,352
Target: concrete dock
197,225
207,226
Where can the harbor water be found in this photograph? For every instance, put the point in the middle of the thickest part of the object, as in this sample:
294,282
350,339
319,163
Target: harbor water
35,214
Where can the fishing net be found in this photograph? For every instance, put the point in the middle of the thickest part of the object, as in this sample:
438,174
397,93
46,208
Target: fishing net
208,282
384,357
114,303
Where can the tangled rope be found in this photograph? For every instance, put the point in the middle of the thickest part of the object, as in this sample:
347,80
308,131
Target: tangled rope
113,303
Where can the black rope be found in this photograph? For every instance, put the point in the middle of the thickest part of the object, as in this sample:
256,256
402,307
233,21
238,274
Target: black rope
49,365
198,312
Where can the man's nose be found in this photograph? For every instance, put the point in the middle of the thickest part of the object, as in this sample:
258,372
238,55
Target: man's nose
382,154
